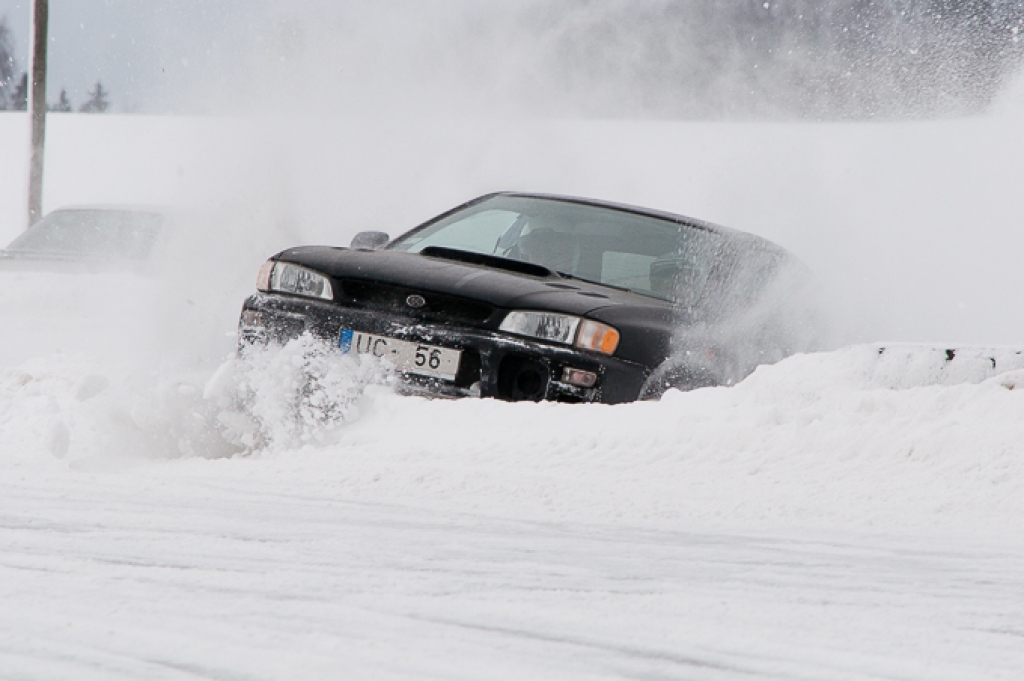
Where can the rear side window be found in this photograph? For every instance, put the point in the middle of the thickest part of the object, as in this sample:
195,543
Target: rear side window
752,272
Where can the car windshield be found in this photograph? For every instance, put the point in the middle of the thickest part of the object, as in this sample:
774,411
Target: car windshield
648,255
113,233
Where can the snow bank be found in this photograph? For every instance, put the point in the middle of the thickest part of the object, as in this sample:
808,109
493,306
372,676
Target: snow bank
860,438
817,439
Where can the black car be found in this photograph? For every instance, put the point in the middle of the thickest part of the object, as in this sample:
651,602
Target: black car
530,297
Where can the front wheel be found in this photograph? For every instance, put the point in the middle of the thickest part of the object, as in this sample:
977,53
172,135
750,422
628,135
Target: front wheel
680,375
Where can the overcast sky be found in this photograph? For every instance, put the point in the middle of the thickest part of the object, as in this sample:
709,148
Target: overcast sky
536,57
162,56
141,50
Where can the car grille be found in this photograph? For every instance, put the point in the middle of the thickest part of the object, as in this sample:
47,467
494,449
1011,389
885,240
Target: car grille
394,299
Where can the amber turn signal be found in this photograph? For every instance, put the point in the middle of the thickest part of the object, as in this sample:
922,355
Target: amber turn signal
597,336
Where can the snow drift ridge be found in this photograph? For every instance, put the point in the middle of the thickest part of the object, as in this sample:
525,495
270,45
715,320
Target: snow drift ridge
860,435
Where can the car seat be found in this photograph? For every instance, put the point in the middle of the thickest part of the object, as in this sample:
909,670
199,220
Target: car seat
544,246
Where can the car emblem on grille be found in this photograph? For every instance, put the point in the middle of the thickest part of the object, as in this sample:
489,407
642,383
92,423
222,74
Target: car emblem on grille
415,301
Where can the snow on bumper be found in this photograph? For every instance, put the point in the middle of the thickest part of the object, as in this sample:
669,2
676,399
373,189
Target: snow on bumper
493,364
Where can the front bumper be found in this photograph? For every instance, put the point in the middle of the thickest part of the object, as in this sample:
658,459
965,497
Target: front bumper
492,364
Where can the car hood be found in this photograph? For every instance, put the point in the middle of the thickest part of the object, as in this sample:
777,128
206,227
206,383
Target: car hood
491,284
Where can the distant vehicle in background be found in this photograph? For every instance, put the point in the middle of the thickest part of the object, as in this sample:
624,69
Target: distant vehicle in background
90,235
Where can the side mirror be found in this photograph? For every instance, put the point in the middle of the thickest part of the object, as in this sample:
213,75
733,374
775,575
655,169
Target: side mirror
370,240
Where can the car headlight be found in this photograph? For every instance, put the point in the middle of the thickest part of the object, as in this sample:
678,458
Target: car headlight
549,326
562,328
288,278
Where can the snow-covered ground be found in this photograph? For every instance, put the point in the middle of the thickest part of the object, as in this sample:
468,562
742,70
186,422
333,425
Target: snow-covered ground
251,570
825,519
167,511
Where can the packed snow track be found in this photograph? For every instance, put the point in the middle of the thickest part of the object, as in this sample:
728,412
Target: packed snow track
845,515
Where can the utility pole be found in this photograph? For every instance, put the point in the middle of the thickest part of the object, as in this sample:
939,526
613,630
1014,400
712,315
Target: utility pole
37,106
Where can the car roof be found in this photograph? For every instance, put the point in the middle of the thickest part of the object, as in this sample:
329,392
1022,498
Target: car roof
739,239
623,207
118,207
735,235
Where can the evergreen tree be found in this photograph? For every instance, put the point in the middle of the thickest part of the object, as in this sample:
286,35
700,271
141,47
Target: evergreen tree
19,99
6,64
63,104
97,102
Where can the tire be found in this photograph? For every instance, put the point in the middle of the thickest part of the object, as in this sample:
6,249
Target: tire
674,374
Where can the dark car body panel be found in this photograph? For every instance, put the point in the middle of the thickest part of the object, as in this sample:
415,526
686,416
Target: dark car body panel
467,295
501,288
485,351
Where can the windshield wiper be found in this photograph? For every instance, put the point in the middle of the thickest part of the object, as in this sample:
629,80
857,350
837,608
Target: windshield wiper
566,275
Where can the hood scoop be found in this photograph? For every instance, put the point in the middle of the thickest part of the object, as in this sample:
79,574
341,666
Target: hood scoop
494,261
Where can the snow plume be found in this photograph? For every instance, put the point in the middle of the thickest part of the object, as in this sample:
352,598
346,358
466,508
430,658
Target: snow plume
290,396
836,59
88,412
758,317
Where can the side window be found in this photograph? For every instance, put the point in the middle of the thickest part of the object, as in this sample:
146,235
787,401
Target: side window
682,275
755,269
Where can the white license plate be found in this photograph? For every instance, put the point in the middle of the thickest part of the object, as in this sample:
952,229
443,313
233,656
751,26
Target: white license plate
412,358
